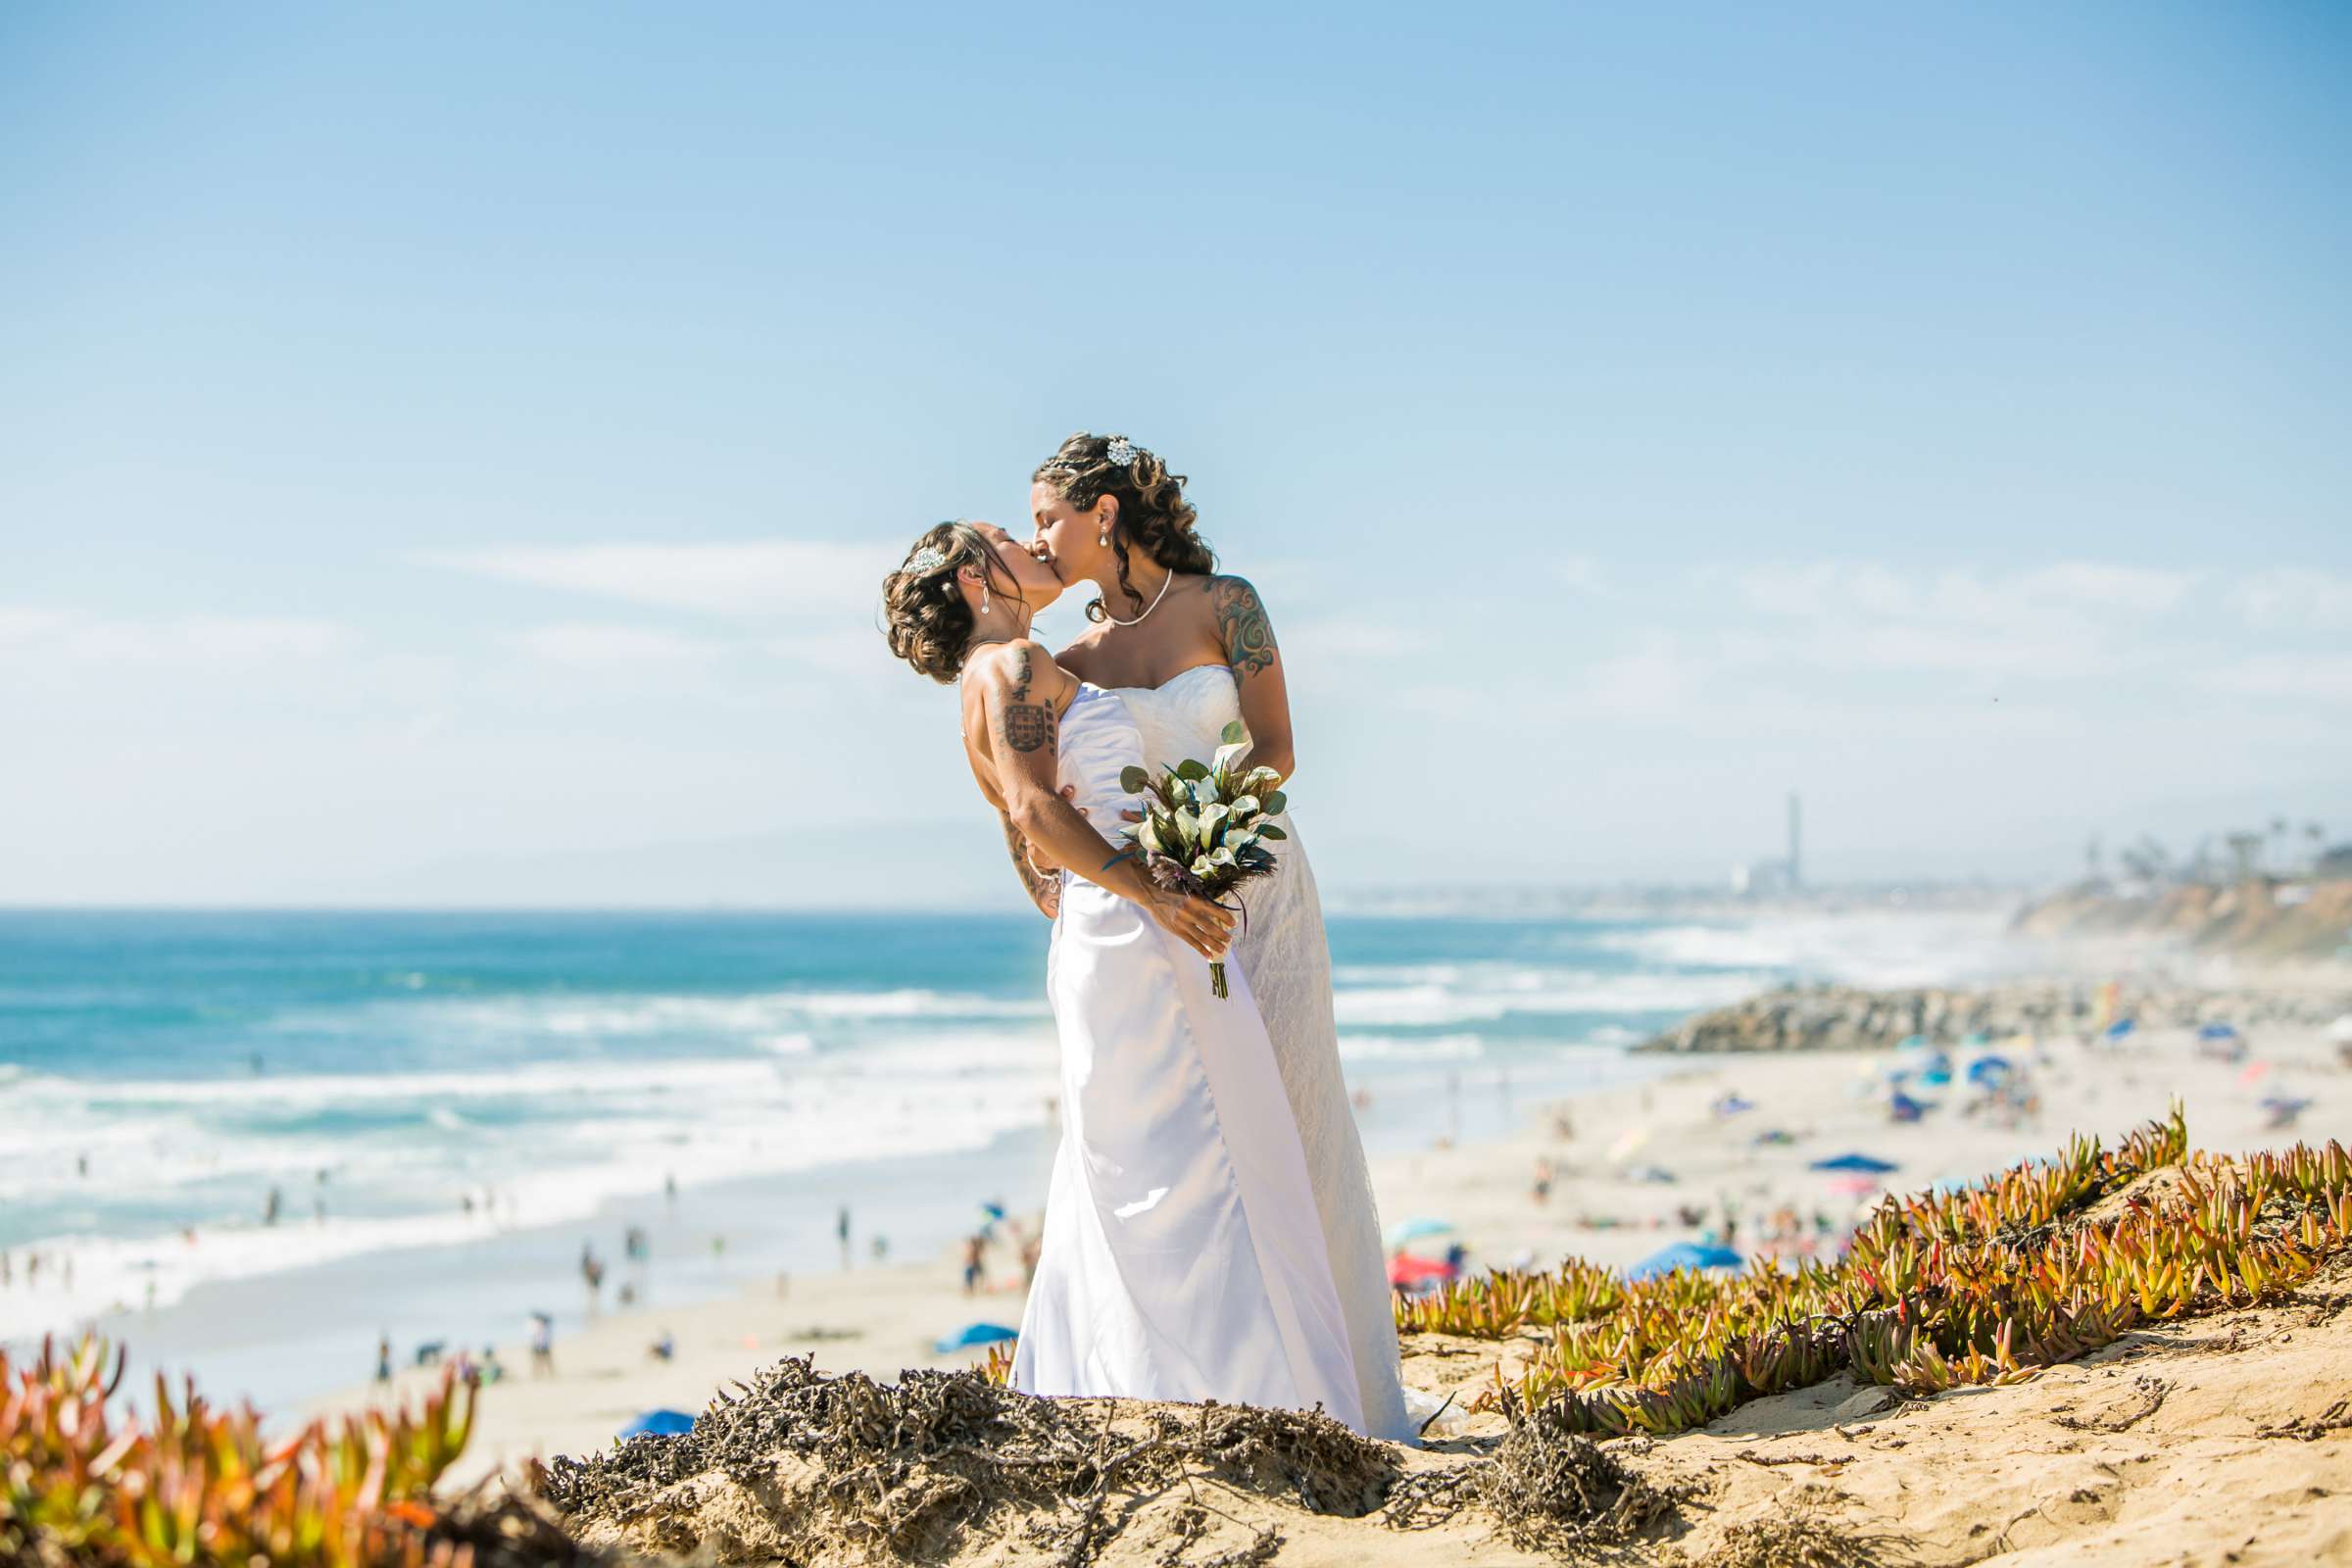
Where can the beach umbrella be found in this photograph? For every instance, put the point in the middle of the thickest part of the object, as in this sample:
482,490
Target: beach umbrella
1414,1230
1985,1069
973,1335
1684,1255
2119,1028
1912,1043
2218,1031
1854,1186
1860,1164
659,1424
1733,1106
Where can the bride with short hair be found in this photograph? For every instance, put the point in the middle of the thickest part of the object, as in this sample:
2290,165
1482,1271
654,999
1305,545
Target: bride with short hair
1182,1256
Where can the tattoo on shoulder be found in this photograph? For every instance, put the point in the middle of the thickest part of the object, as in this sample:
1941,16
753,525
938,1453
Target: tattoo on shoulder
1020,674
1242,629
1028,726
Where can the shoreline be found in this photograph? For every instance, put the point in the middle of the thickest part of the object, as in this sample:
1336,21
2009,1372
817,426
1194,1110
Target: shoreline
1642,1165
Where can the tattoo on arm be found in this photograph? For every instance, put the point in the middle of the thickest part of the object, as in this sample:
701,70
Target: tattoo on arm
1044,891
1026,725
1242,629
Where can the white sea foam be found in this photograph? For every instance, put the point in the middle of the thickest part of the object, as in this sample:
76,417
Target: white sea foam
1876,949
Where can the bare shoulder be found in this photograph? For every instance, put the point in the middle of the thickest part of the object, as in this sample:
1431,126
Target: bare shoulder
1077,659
1239,624
1019,672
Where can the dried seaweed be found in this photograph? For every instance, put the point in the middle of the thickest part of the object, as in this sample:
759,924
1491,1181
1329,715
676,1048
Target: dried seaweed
908,1467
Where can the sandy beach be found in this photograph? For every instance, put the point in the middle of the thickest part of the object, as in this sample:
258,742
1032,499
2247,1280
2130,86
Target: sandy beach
1629,1168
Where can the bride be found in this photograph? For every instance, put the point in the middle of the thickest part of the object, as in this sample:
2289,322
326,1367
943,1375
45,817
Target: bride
1183,1256
1190,651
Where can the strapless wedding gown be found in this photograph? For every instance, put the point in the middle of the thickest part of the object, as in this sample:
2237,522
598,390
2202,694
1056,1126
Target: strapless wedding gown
1181,1256
1284,951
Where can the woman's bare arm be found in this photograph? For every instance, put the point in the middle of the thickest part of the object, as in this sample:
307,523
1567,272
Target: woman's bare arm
1044,887
1021,694
1247,638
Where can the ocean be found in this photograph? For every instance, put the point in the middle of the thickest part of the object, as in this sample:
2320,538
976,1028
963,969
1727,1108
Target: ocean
430,1097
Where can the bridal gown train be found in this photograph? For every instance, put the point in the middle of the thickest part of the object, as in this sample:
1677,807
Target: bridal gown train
1283,948
1266,1087
1182,1256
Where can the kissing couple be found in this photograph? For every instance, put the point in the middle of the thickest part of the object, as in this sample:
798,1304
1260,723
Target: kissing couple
1209,1228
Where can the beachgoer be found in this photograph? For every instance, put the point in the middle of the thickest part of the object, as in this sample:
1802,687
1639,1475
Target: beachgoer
972,1245
1542,1183
543,1346
663,1348
383,1358
841,1231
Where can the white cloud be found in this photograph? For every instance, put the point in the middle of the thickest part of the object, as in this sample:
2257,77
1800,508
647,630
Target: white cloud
1868,591
2295,596
770,577
2308,677
60,637
597,645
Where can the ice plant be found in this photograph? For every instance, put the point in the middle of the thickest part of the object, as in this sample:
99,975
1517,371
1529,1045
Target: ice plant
1205,825
1982,1286
190,1485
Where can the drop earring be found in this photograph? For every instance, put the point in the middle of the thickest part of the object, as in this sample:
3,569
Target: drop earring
1104,539
984,599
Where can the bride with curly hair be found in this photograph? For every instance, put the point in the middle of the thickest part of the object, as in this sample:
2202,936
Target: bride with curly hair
1188,649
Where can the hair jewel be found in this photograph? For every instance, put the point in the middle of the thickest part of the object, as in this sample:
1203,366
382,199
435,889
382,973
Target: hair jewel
1121,451
928,558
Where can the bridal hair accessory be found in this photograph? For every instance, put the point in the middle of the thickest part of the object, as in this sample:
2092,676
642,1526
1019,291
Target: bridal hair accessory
1121,451
928,558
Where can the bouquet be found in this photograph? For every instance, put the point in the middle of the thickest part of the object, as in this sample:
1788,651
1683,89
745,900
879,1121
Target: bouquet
1205,825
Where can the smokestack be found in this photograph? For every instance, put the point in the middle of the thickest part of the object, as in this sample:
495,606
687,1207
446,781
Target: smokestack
1796,877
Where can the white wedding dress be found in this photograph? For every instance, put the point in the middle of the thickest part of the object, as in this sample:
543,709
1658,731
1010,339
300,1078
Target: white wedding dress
1183,1256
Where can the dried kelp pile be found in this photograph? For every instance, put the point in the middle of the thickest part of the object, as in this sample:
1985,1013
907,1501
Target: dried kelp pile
803,1465
1549,1487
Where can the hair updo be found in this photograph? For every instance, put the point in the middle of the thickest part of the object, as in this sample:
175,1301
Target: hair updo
1152,511
924,613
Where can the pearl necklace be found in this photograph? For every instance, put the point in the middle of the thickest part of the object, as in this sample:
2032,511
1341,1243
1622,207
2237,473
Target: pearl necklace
1148,608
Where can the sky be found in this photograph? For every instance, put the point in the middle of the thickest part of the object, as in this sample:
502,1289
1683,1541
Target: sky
449,455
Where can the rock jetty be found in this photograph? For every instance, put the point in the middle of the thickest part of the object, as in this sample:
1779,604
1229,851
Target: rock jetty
1853,1018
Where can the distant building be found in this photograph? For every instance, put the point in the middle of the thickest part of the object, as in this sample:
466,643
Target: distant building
1762,878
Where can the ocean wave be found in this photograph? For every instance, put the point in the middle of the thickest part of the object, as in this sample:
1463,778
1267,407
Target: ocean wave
1874,948
1550,993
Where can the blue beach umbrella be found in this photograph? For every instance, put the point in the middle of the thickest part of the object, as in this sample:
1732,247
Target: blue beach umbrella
2216,1031
659,1424
2119,1028
1985,1069
1412,1230
972,1335
1860,1164
1684,1255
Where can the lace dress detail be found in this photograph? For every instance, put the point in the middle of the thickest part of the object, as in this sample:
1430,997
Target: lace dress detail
1288,958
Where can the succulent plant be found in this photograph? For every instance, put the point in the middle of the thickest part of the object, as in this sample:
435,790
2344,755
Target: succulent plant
1982,1286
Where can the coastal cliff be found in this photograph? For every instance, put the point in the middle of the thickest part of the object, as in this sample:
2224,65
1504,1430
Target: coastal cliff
2259,917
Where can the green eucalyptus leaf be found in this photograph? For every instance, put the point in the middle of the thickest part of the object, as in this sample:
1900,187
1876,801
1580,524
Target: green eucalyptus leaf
1191,769
1267,830
1234,733
1275,804
1134,780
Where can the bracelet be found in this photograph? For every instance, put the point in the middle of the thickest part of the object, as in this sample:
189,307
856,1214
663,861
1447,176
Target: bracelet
1123,854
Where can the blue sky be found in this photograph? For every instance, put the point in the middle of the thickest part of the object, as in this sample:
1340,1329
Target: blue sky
449,455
